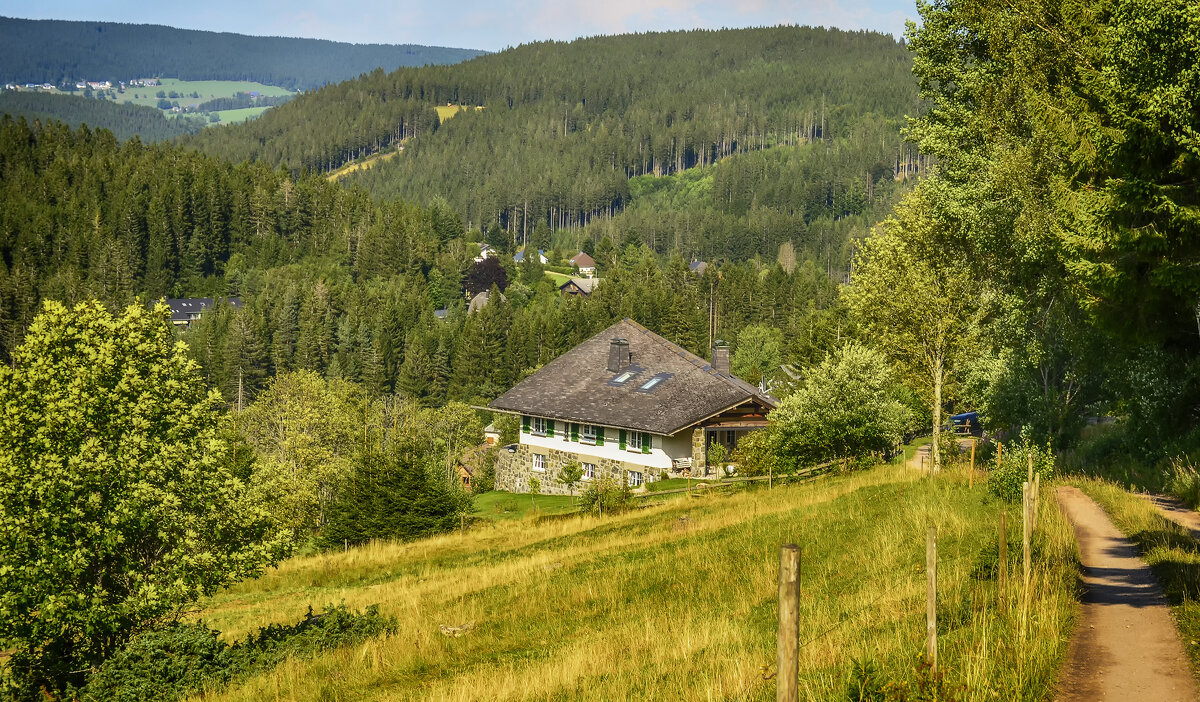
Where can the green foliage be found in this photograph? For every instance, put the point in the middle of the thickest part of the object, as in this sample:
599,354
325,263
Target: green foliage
535,486
846,408
171,662
306,432
400,493
758,354
755,454
606,496
570,474
118,506
1005,480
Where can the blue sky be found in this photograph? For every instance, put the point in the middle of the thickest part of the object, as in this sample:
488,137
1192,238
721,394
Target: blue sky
475,24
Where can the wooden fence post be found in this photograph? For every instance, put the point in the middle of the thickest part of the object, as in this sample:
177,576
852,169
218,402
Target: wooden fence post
1003,578
787,668
1037,496
931,597
971,480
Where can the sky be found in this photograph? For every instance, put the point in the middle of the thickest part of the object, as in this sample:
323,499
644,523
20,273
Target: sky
472,24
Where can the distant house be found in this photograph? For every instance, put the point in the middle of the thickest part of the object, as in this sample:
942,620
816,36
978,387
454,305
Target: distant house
491,435
480,301
441,313
485,252
629,405
698,267
579,287
186,310
519,257
586,264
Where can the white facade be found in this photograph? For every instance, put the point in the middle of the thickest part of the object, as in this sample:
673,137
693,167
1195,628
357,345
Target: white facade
663,449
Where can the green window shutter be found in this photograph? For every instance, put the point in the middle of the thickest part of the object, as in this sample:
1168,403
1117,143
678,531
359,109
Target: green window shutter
622,442
645,443
574,432
599,436
525,423
549,427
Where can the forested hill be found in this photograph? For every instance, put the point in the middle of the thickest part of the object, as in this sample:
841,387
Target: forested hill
57,51
565,125
124,121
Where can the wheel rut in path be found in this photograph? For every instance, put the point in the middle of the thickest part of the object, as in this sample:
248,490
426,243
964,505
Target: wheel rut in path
1125,645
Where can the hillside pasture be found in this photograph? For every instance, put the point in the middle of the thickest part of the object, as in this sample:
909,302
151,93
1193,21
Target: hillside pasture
445,112
677,601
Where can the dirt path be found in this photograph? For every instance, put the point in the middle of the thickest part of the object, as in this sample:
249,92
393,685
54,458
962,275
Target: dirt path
1176,511
1125,645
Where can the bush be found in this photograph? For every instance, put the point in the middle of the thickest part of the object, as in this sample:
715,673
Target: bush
846,408
168,663
1005,480
868,684
605,496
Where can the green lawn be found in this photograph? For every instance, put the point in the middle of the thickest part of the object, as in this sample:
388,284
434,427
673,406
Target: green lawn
497,505
207,89
235,116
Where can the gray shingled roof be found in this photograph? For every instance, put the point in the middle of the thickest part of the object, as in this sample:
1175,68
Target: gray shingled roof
577,386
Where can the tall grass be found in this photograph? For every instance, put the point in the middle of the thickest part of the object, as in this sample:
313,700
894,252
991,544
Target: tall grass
677,601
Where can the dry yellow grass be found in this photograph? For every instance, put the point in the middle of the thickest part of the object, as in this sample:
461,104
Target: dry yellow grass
646,605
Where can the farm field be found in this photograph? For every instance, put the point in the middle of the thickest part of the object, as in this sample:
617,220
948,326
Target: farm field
677,601
206,89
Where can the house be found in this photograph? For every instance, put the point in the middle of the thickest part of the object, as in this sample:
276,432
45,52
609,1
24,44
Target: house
519,257
491,435
586,264
186,310
580,287
698,267
485,252
629,405
480,301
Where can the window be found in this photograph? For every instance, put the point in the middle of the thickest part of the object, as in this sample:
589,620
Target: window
635,478
539,463
587,433
649,384
623,378
634,442
589,471
539,425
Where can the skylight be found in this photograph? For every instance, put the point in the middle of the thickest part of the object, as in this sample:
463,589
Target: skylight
651,383
624,377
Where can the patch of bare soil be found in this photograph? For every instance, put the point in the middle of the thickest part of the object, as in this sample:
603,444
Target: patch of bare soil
1125,645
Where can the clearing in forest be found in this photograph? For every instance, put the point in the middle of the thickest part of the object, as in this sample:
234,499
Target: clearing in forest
678,601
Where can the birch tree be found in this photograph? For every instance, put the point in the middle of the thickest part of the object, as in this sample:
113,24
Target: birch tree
915,301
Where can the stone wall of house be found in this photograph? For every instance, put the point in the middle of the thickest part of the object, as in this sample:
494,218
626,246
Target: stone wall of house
699,452
513,470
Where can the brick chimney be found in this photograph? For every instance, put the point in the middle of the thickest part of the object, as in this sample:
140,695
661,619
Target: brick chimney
720,357
618,354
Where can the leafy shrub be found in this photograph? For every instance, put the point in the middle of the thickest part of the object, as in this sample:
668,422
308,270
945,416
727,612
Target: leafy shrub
755,454
605,496
1005,480
170,662
845,408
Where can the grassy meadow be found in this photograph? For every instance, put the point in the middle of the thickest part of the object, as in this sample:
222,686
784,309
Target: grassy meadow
677,601
206,89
